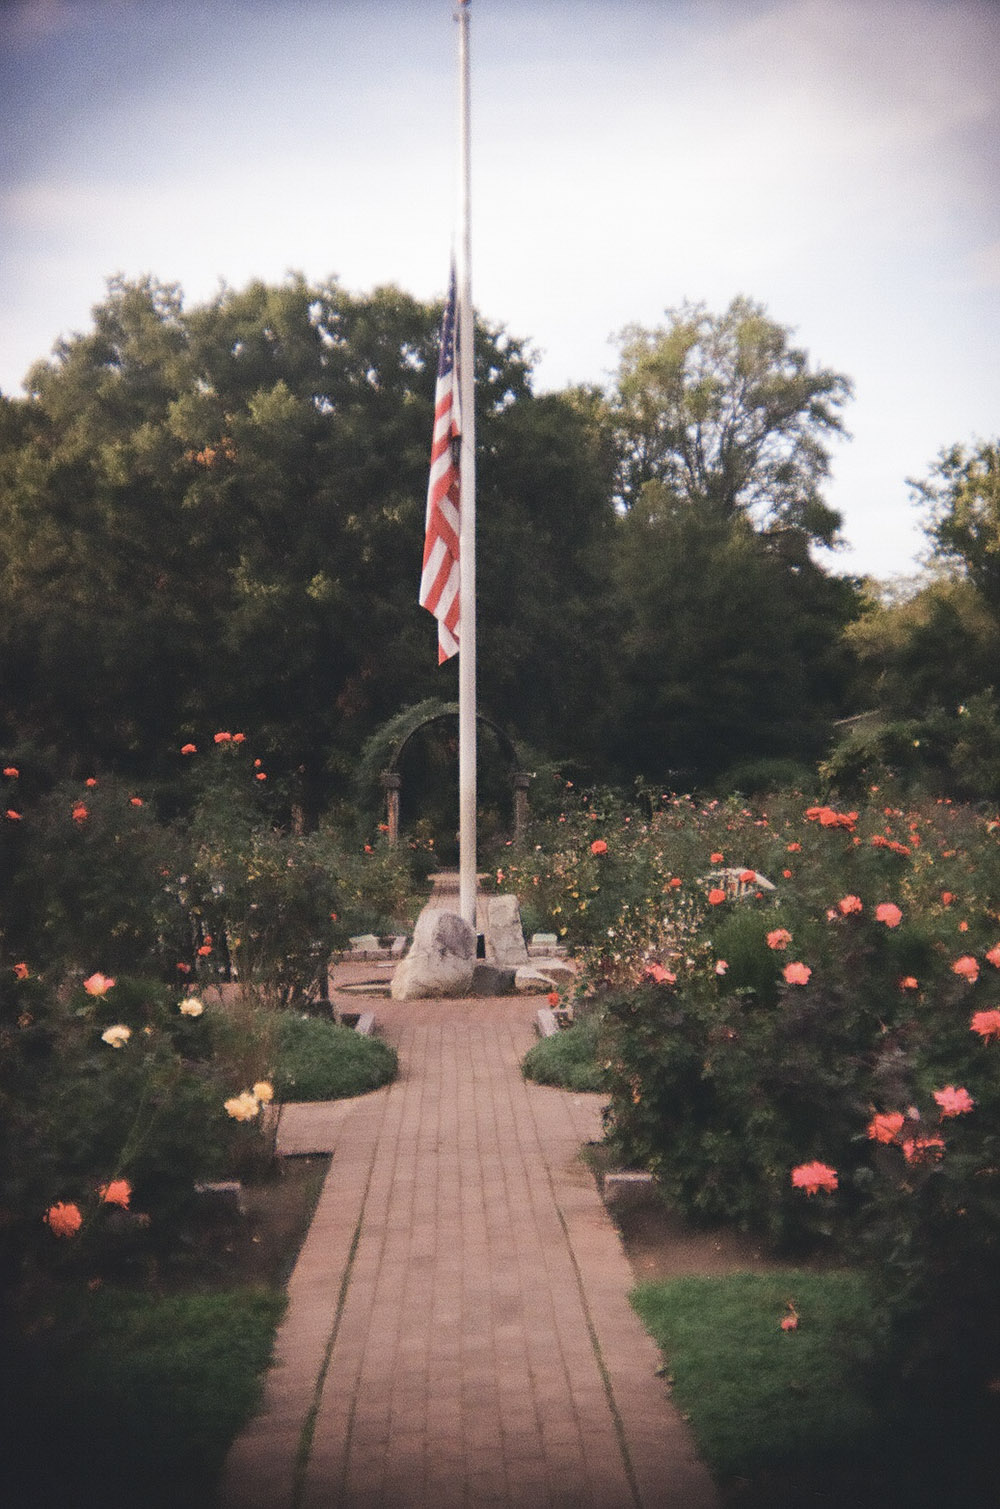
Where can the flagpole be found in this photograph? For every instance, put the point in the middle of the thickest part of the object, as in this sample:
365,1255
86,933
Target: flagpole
467,472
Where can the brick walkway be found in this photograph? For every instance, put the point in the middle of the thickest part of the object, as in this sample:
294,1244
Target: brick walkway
458,1331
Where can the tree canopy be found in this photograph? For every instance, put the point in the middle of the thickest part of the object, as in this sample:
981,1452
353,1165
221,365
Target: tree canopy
731,653
962,501
728,415
214,518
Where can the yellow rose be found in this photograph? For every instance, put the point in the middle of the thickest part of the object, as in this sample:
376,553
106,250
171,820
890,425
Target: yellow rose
243,1107
116,1037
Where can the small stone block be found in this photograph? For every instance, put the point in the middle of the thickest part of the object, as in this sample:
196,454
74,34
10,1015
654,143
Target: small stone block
224,1196
491,980
546,1024
560,971
365,943
365,1023
528,980
628,1189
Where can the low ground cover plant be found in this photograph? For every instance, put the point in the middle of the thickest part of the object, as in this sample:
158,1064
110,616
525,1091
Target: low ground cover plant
568,1059
125,1397
784,1379
801,1003
319,1060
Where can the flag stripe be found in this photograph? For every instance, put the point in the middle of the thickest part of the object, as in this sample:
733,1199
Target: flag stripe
440,580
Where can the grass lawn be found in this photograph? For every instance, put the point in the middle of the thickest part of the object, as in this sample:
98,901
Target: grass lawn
793,1418
128,1396
134,1399
756,1393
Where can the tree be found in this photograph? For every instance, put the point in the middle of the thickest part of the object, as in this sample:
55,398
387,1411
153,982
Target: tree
213,518
934,646
727,415
730,653
962,497
927,655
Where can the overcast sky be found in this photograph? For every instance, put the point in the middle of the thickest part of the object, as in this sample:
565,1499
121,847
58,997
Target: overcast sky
837,160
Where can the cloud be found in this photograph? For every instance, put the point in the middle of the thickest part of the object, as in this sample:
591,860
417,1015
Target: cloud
29,21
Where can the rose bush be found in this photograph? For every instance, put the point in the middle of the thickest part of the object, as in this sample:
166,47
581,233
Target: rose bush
117,1059
763,1031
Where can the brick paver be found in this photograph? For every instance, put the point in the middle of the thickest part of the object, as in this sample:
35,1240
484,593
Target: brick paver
458,1332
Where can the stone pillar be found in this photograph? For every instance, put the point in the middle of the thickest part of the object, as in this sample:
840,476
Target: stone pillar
521,780
391,783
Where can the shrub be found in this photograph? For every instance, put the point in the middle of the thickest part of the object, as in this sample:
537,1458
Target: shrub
754,1034
320,1060
85,880
115,1091
568,1059
115,1101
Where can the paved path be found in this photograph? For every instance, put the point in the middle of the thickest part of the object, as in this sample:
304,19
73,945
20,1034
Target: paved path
458,1332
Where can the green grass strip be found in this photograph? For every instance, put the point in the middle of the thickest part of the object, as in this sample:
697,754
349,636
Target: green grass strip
145,1390
309,1424
757,1395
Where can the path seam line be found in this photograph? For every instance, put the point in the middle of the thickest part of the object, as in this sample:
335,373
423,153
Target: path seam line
616,1418
309,1424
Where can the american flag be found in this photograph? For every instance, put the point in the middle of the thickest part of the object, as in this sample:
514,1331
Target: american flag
441,576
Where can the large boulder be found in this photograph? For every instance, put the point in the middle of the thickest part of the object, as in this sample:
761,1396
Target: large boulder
441,959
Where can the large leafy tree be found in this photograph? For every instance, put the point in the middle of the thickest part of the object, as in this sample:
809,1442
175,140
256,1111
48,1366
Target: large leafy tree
962,500
729,416
732,634
928,652
934,644
731,651
213,518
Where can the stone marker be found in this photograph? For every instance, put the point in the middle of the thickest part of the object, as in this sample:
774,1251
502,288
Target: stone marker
543,975
222,1196
504,935
441,960
490,980
365,943
546,1024
528,982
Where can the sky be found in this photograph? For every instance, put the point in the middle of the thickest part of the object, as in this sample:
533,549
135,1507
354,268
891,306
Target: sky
837,161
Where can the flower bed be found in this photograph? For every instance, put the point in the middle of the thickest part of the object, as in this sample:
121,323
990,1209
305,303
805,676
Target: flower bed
124,1082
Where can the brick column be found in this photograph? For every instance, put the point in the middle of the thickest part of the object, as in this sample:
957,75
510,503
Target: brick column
391,783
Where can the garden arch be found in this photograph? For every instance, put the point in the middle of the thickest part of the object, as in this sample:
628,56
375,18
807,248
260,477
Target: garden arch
392,780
